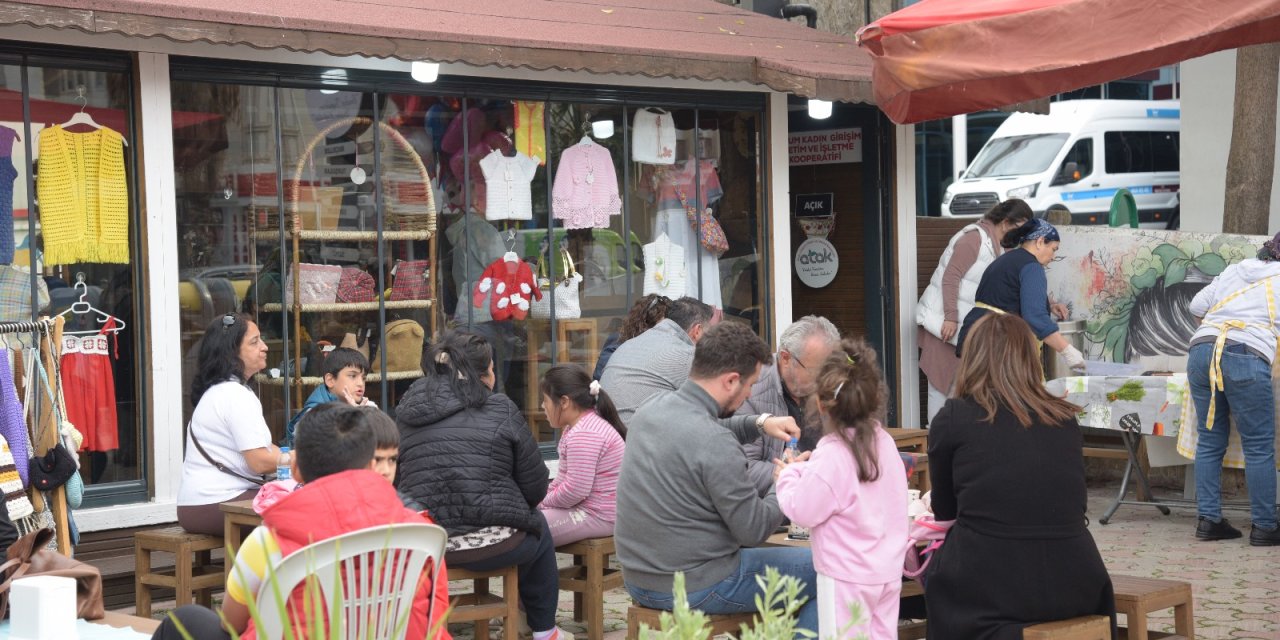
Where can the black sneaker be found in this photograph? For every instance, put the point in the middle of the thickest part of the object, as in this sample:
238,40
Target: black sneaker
1260,537
1207,529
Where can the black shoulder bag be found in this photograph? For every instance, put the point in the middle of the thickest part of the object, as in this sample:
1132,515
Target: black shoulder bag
260,480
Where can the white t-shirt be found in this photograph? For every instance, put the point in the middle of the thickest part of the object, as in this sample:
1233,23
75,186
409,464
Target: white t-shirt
228,420
508,194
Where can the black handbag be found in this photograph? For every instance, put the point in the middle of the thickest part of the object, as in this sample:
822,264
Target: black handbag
53,469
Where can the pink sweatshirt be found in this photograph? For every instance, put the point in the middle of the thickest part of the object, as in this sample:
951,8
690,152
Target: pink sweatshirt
859,529
587,479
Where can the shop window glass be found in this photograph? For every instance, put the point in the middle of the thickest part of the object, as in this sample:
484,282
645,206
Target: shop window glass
81,138
501,173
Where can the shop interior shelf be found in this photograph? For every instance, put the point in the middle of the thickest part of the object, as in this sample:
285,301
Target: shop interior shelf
315,381
336,236
272,307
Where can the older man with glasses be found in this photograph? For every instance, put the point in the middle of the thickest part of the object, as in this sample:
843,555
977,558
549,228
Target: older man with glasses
784,387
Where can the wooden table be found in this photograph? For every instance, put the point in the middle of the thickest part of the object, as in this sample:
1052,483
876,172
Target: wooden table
911,440
122,620
237,516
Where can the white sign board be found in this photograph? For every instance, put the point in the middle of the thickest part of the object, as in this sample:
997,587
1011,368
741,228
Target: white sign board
832,146
817,262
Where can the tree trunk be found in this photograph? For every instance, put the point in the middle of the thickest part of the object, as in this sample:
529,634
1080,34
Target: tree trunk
1251,164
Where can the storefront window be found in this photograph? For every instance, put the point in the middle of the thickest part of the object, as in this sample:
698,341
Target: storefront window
531,192
77,233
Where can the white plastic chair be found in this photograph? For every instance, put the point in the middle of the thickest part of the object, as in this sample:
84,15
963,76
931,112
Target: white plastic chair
379,571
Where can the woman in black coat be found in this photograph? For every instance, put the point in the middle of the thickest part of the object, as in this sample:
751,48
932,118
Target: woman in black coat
467,455
1007,465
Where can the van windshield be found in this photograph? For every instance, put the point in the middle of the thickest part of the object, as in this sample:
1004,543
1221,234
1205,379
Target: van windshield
1016,155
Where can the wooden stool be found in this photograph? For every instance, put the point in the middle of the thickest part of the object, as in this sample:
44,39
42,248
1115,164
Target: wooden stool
193,569
478,607
588,578
1136,597
1082,628
720,623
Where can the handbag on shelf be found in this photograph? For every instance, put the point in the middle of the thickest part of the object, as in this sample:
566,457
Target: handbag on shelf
402,342
709,231
358,341
356,285
318,283
28,557
664,268
412,280
568,303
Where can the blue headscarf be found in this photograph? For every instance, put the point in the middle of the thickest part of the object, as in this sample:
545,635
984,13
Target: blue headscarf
1041,229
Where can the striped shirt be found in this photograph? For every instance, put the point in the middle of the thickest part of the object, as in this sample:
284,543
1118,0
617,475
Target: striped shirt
655,361
587,479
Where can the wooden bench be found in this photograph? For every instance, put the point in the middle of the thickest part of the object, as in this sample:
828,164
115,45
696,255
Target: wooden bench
480,605
194,573
719,624
588,578
1136,597
1082,628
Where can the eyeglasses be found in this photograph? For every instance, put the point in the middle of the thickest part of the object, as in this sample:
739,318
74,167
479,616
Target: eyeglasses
796,359
653,302
228,321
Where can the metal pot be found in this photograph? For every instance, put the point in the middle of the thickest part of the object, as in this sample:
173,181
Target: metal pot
1054,367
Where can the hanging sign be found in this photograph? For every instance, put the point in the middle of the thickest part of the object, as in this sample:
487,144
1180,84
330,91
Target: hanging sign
812,205
816,262
832,146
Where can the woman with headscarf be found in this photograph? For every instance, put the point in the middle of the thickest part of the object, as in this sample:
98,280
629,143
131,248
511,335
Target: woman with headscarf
949,297
1016,284
1229,372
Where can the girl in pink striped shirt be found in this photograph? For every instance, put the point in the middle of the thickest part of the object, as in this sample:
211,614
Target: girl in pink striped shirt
581,501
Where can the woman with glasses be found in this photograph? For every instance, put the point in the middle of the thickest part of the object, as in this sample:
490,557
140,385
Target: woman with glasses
228,451
1016,284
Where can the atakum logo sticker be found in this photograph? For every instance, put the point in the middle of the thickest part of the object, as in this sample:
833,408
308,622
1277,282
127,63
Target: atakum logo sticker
817,262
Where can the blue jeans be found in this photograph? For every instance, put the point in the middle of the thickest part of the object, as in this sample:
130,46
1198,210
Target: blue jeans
1248,397
737,593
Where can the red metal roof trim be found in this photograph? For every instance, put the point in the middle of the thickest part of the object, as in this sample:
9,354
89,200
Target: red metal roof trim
692,39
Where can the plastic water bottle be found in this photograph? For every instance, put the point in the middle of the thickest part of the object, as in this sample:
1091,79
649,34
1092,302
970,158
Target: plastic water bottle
283,472
789,453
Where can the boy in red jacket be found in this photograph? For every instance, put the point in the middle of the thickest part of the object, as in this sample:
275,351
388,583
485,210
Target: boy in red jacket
340,492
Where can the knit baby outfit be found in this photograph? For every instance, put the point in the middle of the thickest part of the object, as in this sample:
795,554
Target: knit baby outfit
83,196
507,185
508,285
585,193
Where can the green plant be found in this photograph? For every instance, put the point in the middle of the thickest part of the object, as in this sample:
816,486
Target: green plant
776,606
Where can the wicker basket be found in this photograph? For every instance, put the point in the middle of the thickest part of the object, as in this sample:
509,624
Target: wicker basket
408,201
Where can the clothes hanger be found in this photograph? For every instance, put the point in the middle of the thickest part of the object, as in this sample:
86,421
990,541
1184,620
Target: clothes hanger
510,255
83,117
82,306
510,151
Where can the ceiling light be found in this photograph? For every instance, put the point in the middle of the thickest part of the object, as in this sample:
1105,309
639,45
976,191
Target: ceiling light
602,129
819,109
424,71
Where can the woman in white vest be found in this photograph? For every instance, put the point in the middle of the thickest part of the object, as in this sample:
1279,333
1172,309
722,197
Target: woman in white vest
949,296
1229,372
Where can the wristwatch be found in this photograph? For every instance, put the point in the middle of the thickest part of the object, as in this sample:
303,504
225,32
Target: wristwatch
760,420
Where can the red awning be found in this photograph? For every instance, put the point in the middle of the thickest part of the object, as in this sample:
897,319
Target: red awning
939,58
694,39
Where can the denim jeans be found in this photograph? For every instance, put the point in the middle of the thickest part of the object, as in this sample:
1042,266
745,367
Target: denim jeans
1248,397
737,593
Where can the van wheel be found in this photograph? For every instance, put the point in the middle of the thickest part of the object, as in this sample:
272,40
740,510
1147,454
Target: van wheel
1058,215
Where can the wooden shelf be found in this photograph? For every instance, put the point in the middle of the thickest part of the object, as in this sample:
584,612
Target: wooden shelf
274,307
344,236
315,381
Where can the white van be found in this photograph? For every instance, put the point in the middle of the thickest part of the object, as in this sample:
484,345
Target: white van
1077,157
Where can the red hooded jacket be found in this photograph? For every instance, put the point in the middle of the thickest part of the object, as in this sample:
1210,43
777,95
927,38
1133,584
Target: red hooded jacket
345,502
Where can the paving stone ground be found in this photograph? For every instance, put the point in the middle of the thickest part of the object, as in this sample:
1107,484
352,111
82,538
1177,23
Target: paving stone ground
1236,586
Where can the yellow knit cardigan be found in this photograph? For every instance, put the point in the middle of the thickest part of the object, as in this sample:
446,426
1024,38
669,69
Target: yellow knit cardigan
83,196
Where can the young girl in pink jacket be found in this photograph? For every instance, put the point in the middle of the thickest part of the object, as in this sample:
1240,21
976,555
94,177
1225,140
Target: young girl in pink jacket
581,501
852,494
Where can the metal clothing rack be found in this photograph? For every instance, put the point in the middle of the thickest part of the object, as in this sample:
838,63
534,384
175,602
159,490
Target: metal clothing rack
49,341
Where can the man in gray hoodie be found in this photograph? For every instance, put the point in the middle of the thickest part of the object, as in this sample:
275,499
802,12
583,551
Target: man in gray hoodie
685,502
